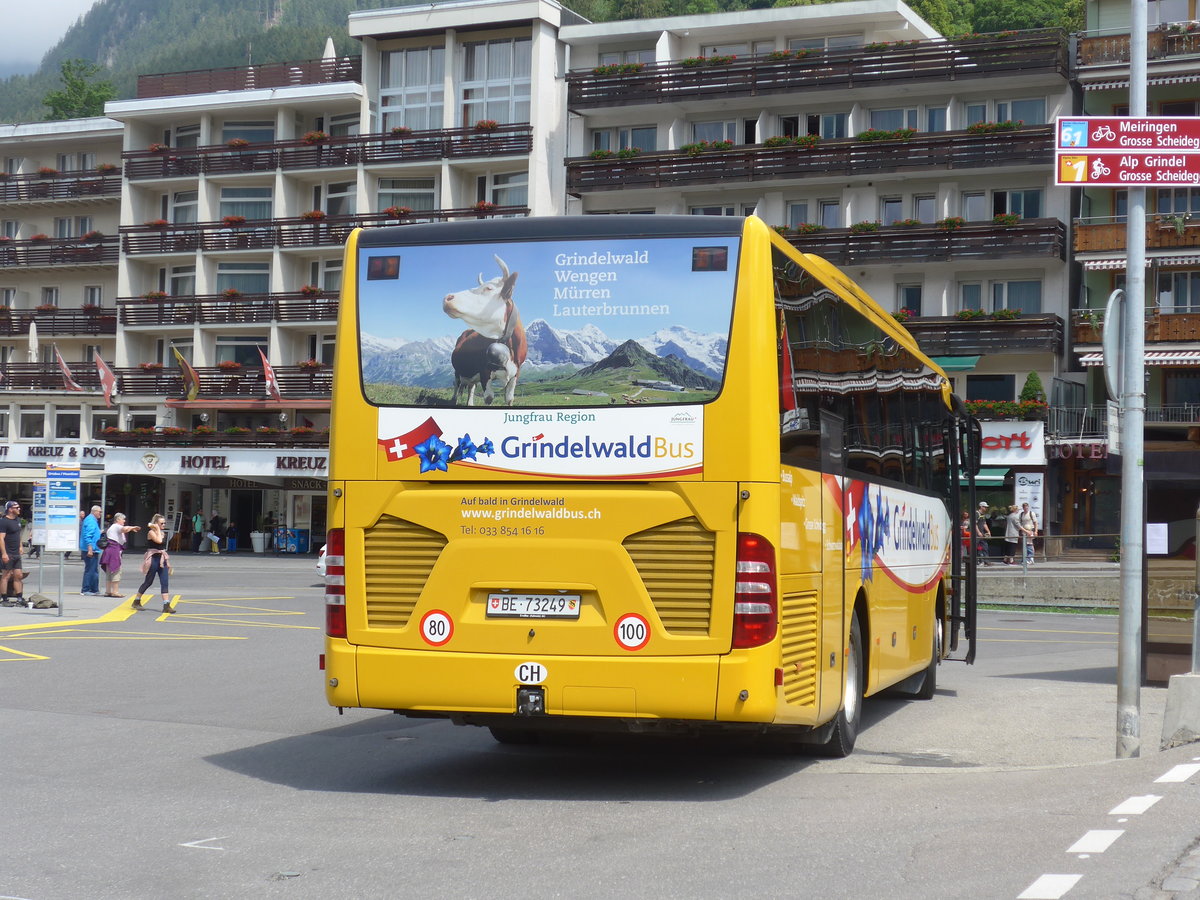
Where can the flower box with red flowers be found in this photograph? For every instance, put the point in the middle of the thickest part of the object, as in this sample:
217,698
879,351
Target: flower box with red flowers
400,131
154,295
46,308
107,168
313,215
396,212
314,137
233,221
158,148
484,206
204,429
156,223
39,237
91,237
486,125
310,290
47,172
310,364
237,143
229,365
231,293
150,366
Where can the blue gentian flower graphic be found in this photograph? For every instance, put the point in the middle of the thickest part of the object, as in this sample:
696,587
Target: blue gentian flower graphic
464,450
433,453
486,447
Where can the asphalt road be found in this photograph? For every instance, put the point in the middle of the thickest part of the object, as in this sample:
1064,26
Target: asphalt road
193,756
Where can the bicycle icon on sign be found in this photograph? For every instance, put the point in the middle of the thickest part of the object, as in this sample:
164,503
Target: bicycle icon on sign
1104,133
1099,169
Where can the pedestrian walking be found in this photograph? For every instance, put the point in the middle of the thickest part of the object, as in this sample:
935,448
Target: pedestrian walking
156,563
11,585
982,532
110,558
216,527
89,549
231,536
1029,529
197,530
1012,535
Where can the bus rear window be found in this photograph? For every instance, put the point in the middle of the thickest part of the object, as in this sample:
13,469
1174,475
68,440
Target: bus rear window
546,323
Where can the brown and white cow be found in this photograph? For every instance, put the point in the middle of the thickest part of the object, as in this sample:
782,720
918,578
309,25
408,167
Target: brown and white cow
493,349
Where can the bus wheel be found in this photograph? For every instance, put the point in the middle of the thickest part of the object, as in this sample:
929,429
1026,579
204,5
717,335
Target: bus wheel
514,735
929,684
849,717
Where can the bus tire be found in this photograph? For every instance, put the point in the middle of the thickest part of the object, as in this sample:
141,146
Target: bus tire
504,735
849,717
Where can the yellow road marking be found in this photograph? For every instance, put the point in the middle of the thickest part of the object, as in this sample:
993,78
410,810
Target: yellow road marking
21,657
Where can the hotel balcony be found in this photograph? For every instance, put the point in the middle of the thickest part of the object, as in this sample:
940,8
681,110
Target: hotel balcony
180,437
1090,423
216,382
924,153
333,152
1162,326
951,336
1163,233
299,231
245,78
889,66
98,321
221,309
1166,42
1028,239
89,184
58,252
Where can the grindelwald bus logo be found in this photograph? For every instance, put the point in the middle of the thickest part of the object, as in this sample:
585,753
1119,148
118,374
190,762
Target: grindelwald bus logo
150,461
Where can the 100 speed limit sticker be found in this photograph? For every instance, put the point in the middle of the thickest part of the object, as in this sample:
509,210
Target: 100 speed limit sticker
436,628
632,631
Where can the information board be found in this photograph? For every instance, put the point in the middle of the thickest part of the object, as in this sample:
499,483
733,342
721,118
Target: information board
62,510
1124,151
38,514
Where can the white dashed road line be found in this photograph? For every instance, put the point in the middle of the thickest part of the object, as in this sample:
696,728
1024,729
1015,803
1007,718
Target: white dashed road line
1049,887
1178,773
1134,806
1095,841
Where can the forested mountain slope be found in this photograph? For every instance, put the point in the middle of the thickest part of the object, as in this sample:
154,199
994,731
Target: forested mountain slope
132,37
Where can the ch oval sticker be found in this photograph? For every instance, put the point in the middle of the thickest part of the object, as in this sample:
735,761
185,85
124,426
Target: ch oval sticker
531,673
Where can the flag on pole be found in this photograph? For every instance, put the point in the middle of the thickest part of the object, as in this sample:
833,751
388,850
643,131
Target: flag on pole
108,380
269,380
191,379
69,381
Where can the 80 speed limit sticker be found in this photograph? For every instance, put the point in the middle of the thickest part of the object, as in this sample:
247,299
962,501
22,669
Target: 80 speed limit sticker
632,631
436,628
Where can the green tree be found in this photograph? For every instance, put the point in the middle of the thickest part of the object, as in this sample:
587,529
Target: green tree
947,16
1033,389
81,94
1003,15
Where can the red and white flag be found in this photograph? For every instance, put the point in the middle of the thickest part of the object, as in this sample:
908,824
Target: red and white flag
269,380
108,380
69,381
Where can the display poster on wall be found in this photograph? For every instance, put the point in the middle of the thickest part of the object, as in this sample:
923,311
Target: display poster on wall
62,510
1027,488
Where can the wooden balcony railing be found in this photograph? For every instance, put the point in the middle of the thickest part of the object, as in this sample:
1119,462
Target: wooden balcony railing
1161,325
1161,234
68,321
893,66
1029,238
265,234
71,185
924,153
295,382
218,309
243,78
161,438
58,252
950,336
1161,43
369,149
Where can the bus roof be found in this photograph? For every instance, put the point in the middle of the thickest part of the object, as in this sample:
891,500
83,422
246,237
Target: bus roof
551,228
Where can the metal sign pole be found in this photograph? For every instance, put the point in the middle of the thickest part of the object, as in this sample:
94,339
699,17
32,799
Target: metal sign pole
1133,415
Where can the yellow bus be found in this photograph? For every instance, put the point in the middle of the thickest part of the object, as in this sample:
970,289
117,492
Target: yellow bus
639,473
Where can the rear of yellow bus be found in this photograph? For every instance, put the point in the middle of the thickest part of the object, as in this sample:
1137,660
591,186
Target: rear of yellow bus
555,479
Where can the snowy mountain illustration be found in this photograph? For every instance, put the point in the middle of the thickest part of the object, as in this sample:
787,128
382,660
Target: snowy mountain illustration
702,352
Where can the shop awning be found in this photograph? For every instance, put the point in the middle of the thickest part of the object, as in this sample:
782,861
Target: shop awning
991,477
956,363
10,474
1153,358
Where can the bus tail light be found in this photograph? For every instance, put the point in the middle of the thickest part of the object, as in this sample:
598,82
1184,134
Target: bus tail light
335,583
755,592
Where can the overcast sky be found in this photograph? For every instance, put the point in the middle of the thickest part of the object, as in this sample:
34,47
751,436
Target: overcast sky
28,35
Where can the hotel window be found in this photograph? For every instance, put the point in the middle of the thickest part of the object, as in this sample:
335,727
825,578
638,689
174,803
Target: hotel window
714,131
970,295
178,281
797,213
49,296
254,132
320,347
326,274
830,214
936,119
243,350
1025,296
254,203
103,420
247,277
62,227
925,208
83,224
340,198
1179,291
1026,204
829,126
743,48
505,189
496,78
894,119
341,126
1176,202
991,387
833,42
626,56
891,210
11,228
1031,112
411,88
12,164
975,207
33,422
712,211
1163,12
93,295
644,137
66,425
180,207
415,193
908,296
186,136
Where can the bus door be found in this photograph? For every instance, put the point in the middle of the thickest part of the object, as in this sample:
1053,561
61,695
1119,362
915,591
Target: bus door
834,515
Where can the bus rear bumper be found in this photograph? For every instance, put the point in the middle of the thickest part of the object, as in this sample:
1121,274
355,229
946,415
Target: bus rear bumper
467,686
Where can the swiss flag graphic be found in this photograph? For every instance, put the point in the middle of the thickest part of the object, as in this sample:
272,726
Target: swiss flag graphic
402,446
